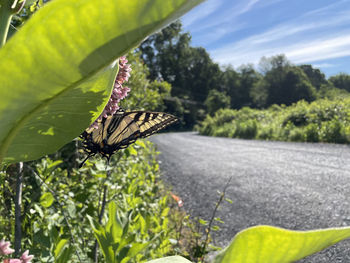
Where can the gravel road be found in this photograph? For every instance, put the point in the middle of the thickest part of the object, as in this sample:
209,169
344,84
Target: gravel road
299,186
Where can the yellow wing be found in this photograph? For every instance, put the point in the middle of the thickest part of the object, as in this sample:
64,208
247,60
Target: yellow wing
120,130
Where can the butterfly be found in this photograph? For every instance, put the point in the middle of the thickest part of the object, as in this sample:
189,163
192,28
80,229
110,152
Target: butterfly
122,129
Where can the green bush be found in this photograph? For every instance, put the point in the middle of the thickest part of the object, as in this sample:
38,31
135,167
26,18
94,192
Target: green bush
296,135
312,133
246,129
323,120
59,200
226,130
333,131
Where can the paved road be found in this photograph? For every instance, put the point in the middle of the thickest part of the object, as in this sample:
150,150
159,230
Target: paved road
298,186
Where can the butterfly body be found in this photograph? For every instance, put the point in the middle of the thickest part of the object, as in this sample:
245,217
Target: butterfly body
122,129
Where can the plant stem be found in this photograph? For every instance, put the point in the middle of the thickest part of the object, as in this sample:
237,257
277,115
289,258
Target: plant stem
103,206
18,204
206,242
5,19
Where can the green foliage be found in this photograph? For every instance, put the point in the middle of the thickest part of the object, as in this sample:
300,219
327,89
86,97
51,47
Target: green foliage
56,219
245,129
282,84
341,81
189,70
330,92
60,83
277,245
144,94
323,120
124,236
316,77
216,100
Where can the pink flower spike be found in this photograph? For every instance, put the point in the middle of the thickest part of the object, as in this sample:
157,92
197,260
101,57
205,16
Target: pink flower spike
12,260
25,257
5,248
119,92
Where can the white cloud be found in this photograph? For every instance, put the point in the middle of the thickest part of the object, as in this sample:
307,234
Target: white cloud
324,65
247,7
302,40
300,52
331,47
199,13
228,14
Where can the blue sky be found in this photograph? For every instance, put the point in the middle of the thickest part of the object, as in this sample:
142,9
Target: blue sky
238,32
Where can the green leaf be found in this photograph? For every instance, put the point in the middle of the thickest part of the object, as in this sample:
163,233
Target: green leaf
173,259
55,77
140,143
59,247
47,199
39,210
276,245
203,222
65,255
101,236
215,228
228,200
136,248
132,151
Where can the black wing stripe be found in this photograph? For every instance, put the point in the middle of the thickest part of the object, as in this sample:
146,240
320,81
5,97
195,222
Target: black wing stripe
123,128
158,126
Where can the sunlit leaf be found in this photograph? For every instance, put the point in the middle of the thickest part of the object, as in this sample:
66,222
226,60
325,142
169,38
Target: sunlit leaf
262,244
55,74
47,199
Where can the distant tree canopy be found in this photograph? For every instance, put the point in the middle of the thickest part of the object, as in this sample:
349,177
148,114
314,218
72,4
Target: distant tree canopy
341,81
282,83
216,100
316,77
199,86
189,70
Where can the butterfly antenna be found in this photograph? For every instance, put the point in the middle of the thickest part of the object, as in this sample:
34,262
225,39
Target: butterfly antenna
81,165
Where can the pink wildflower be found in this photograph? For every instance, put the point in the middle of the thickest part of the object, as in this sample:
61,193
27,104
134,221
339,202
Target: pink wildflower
5,248
25,257
12,260
119,92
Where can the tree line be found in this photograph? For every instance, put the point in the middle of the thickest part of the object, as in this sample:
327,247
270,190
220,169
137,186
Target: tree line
200,86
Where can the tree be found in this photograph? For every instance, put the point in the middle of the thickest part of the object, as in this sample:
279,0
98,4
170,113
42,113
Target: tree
341,81
282,84
248,78
274,62
231,85
189,70
316,77
216,100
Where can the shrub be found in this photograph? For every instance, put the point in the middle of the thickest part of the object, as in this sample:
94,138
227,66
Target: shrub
226,130
246,129
323,120
333,131
312,133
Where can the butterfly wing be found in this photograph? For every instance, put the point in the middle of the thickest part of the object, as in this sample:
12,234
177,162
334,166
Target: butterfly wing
122,129
151,122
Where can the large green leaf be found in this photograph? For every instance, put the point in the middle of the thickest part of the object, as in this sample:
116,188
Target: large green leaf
54,71
262,244
173,259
